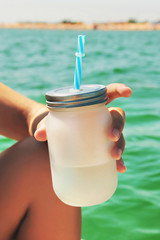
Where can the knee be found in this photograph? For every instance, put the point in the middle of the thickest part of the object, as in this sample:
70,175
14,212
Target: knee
37,164
24,175
36,156
26,164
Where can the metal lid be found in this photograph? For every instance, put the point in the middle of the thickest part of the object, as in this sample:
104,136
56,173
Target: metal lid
68,98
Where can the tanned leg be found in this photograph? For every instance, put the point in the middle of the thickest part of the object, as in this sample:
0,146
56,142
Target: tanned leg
29,208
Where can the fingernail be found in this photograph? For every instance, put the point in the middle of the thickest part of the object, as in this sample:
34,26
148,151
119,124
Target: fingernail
119,151
41,126
126,87
129,92
116,133
122,162
39,129
35,133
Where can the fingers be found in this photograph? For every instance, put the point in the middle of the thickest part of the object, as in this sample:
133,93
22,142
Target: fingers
117,152
116,90
118,121
118,148
120,166
40,133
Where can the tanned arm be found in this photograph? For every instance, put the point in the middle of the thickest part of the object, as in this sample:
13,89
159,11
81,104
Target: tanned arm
19,115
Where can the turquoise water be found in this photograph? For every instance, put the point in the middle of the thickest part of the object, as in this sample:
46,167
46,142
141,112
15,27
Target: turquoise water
34,61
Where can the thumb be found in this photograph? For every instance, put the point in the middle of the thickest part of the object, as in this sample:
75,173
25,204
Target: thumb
40,133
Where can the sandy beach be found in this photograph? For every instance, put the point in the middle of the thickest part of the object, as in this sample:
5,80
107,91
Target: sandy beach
81,26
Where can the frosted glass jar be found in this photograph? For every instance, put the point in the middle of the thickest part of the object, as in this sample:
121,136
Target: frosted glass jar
83,171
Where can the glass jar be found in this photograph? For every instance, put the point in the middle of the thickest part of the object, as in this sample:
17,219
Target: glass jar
83,171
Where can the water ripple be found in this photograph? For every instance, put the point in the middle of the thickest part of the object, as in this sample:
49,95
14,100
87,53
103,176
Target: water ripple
33,62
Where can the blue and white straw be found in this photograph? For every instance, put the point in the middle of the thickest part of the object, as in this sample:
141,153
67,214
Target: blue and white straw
79,60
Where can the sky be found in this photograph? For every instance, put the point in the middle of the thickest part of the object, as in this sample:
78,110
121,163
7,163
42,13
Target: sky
87,11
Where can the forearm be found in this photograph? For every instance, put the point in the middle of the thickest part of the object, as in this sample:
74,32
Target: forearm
18,114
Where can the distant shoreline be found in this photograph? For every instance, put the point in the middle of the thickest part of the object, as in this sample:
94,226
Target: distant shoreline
124,26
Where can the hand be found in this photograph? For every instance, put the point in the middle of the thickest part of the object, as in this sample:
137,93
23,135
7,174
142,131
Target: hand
114,90
40,133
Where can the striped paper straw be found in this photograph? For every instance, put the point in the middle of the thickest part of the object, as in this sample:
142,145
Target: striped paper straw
79,61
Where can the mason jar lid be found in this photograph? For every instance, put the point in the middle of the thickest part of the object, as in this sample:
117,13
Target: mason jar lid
67,97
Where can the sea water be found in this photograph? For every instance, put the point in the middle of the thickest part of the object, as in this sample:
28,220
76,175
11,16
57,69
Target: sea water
35,61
